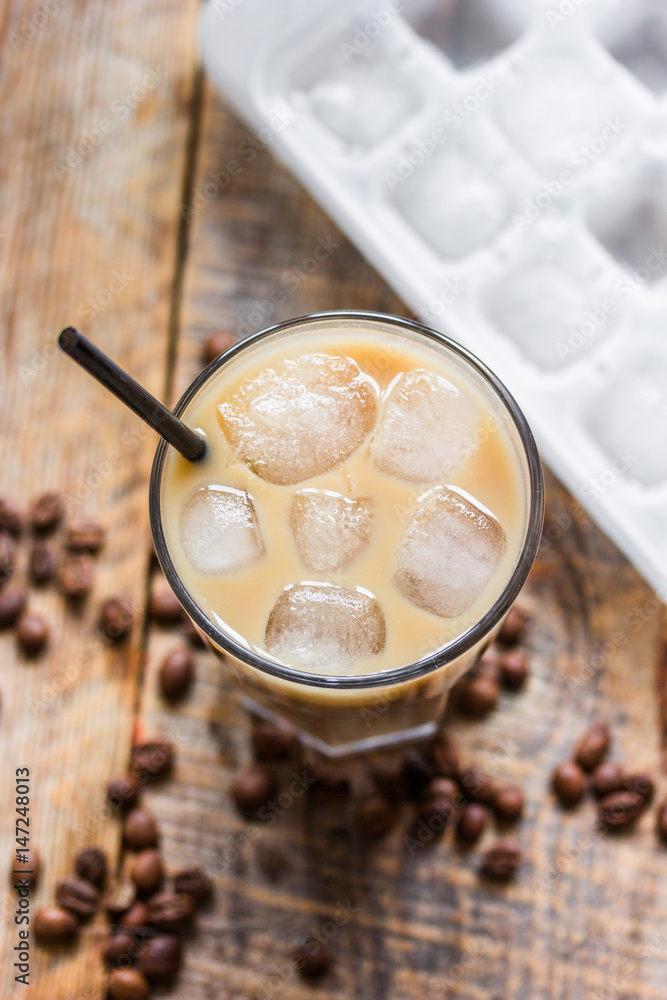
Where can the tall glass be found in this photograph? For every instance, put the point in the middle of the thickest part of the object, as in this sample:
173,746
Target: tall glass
342,715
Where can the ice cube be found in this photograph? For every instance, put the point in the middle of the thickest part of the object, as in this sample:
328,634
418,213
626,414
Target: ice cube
426,428
301,418
453,203
320,626
329,530
448,554
219,530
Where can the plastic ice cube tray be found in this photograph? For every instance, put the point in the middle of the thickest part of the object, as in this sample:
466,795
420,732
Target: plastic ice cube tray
503,163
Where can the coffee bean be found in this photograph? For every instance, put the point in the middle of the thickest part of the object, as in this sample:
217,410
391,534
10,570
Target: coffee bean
152,760
472,823
76,575
513,669
120,950
642,784
443,753
148,871
161,958
85,536
215,345
417,771
508,804
620,809
387,775
195,882
502,860
661,821
41,563
375,817
170,911
513,628
177,673
330,786
435,813
608,777
271,742
592,746
11,519
165,608
91,864
79,896
119,897
270,859
7,556
54,925
136,917
116,617
569,783
140,829
26,870
312,959
123,793
32,633
478,697
47,512
12,603
252,789
477,786
441,788
127,984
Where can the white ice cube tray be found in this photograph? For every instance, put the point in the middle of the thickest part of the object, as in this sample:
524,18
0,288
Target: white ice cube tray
503,163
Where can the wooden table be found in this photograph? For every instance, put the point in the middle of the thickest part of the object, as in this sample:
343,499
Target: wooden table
108,134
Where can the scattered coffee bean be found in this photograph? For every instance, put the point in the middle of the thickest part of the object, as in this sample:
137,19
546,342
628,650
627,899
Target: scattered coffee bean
252,789
417,771
312,959
7,556
91,864
620,809
569,783
502,860
508,804
85,536
54,925
41,563
330,786
11,519
165,608
120,950
215,345
152,760
477,786
435,813
472,823
375,817
608,777
47,512
136,917
123,793
27,870
170,912
79,896
32,634
271,742
441,788
12,603
478,697
661,821
140,829
195,882
161,958
387,775
513,669
592,746
513,628
270,859
116,618
148,871
443,752
642,784
76,575
127,984
177,672
119,897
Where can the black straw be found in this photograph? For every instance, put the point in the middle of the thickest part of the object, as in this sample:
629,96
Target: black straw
146,406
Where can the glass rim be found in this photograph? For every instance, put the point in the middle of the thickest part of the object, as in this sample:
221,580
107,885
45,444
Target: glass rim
455,647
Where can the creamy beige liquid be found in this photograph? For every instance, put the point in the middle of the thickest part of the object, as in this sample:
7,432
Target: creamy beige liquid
241,602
